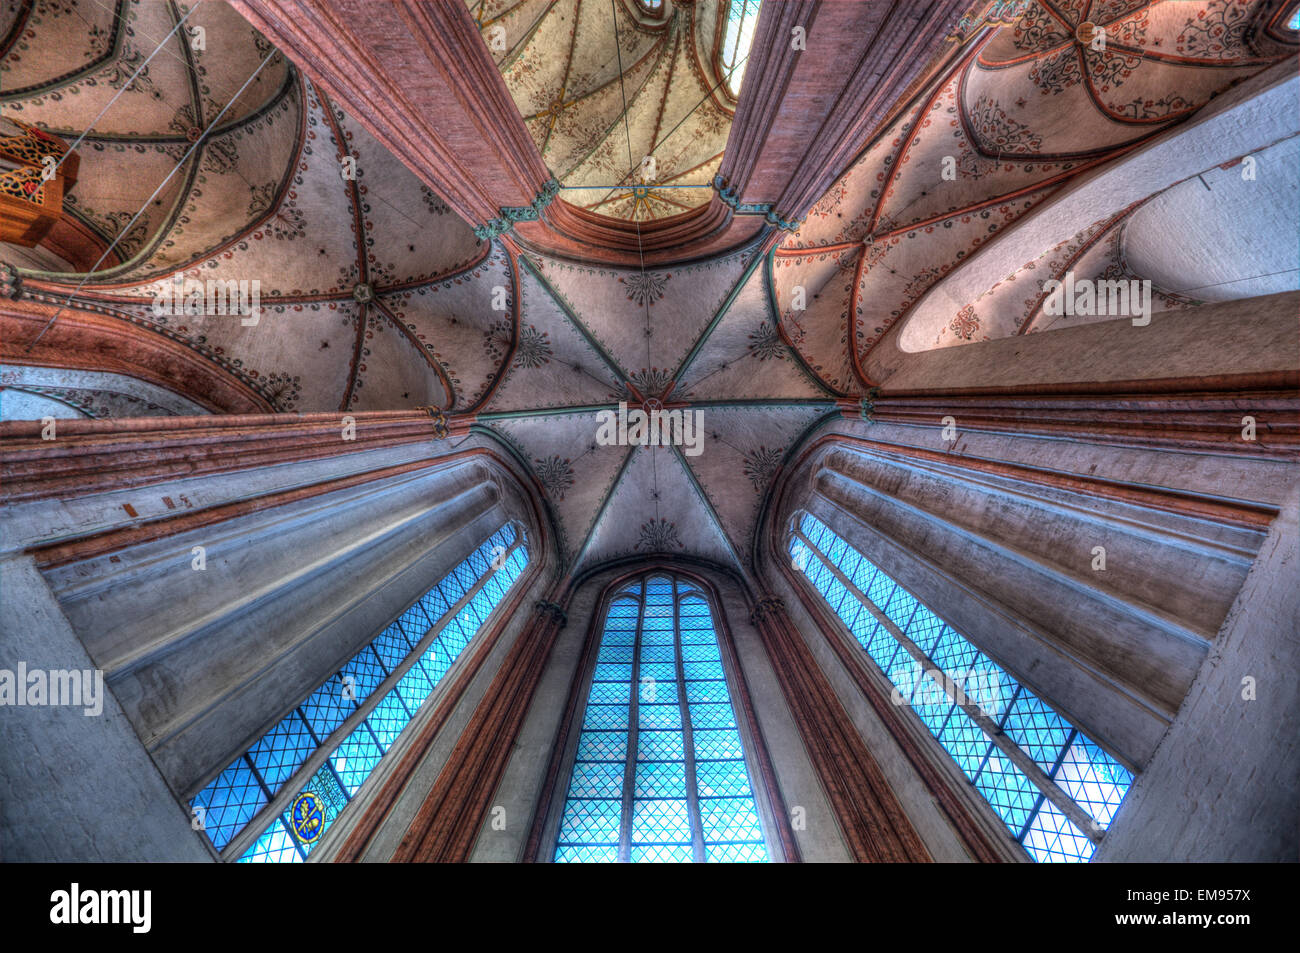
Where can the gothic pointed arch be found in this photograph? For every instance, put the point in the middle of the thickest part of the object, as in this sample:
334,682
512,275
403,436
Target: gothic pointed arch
662,760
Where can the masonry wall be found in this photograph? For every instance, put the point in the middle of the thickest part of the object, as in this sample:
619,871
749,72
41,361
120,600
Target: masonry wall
818,836
74,787
198,663
1222,785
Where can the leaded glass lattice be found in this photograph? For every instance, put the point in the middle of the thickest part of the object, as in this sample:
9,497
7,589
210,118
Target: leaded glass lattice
738,36
1062,796
659,775
277,761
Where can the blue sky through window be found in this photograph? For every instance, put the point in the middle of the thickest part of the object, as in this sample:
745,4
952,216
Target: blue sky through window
738,36
683,792
244,788
1094,780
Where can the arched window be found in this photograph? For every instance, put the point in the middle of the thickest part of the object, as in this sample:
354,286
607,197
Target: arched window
1055,789
659,773
297,778
737,36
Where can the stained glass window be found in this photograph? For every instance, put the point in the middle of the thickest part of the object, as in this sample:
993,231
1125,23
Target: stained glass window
659,774
738,35
1055,789
401,666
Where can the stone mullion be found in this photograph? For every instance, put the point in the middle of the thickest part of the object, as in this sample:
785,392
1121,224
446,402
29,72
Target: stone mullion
1014,753
688,738
633,733
875,826
449,821
276,803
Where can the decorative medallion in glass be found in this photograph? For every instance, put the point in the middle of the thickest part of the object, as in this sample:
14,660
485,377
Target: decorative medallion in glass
297,778
1055,789
659,774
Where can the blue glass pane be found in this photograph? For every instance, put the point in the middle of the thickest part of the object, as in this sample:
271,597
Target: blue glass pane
656,654
652,717
953,654
275,846
661,854
240,791
658,671
415,623
611,693
705,715
904,671
1094,780
612,673
660,780
730,819
596,779
700,653
586,855
355,758
713,745
752,853
991,688
607,717
925,629
711,691
603,746
228,803
1037,729
654,692
932,704
967,744
591,821
1012,795
722,778
616,654
702,671
388,719
435,605
362,674
434,663
281,751
414,687
1052,837
327,707
661,820
672,654
660,746
392,647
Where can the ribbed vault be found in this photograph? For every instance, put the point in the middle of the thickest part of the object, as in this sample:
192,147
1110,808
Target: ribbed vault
1027,109
603,85
376,297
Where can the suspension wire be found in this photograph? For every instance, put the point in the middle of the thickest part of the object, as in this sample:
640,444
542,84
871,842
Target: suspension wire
127,85
127,228
665,138
191,69
627,133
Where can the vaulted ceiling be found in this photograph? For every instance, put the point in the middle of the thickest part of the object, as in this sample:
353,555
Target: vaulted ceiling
1026,111
603,85
375,297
